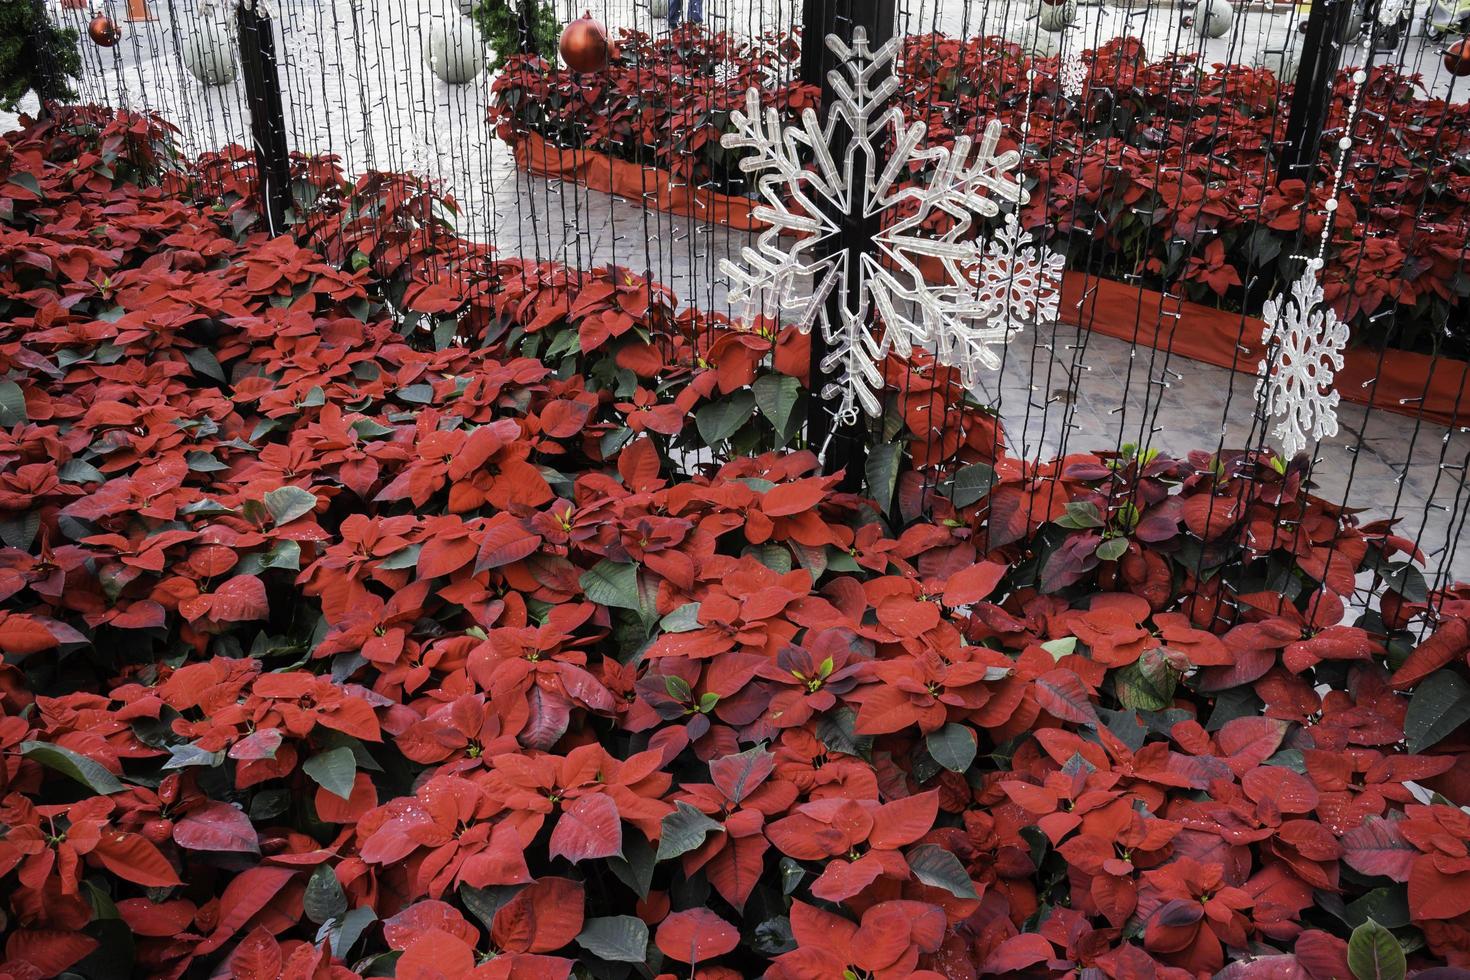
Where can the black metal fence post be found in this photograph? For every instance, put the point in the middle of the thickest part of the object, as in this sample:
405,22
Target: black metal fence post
1327,26
845,449
267,118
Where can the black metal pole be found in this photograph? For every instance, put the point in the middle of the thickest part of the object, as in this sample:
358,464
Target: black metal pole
1327,25
845,447
267,118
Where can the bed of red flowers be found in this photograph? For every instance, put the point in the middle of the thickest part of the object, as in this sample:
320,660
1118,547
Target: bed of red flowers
1161,173
364,614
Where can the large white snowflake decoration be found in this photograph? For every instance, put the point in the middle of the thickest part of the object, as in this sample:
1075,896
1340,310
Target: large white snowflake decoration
1306,343
959,321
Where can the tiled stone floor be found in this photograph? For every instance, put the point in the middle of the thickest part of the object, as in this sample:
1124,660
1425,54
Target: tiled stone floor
356,85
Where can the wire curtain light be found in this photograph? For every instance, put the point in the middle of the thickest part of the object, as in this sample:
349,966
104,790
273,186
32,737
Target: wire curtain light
1182,318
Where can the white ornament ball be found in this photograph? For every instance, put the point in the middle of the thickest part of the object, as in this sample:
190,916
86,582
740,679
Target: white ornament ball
1057,16
1212,18
209,51
453,49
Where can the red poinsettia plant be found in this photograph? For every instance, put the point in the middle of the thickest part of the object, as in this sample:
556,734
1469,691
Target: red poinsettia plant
373,605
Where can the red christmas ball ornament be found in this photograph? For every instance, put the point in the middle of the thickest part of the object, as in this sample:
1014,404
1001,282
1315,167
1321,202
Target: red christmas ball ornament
103,31
584,45
1457,58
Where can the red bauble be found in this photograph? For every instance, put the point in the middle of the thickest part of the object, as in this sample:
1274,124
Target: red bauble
103,31
584,45
1457,58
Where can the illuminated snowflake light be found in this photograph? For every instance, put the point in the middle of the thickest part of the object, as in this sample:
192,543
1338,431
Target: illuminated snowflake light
894,308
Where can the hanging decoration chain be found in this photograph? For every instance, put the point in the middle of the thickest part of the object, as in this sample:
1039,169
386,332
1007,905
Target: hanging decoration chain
1305,338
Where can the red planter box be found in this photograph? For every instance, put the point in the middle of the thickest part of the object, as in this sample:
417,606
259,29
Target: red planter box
629,180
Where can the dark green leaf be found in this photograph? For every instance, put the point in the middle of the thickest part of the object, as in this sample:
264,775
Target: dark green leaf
881,471
269,804
286,504
354,924
22,178
12,405
719,420
1147,684
617,938
285,554
190,755
681,620
971,483
20,532
935,866
791,874
1388,906
324,898
612,583
776,394
838,731
1374,954
1440,705
1080,514
203,361
1237,702
952,746
202,462
333,771
773,937
88,772
682,831
80,471
635,867
407,557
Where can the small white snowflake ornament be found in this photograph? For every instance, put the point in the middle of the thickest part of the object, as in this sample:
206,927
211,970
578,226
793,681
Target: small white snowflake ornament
1023,280
1296,377
895,308
1072,75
